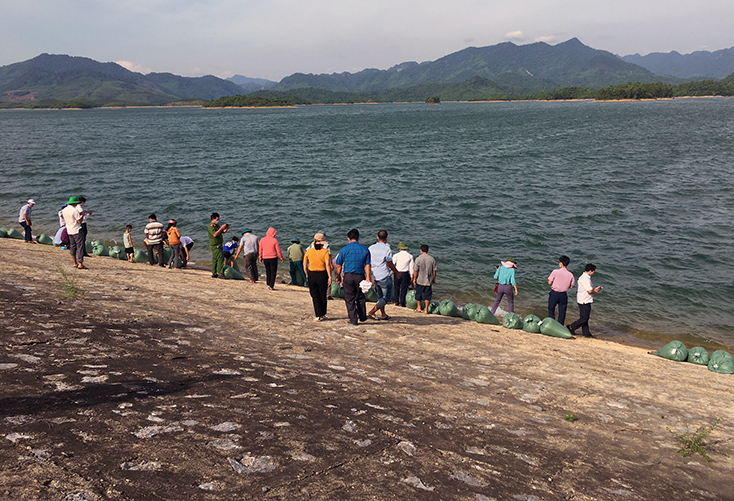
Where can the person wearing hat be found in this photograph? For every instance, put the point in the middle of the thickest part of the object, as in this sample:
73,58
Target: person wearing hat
403,262
174,242
24,219
248,247
295,260
321,237
505,276
73,217
317,264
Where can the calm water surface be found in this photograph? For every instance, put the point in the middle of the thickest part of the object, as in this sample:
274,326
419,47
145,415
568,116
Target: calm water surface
642,190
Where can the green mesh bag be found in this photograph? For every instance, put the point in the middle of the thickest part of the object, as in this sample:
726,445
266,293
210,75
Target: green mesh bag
44,239
468,311
88,246
433,308
371,295
447,308
232,274
484,316
410,301
549,327
113,252
336,290
3,232
140,256
721,362
512,321
13,233
674,350
531,323
100,249
698,355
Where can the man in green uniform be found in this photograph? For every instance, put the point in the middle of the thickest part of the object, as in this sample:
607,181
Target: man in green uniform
216,239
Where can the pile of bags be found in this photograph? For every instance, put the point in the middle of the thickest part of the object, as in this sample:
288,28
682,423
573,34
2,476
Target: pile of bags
719,361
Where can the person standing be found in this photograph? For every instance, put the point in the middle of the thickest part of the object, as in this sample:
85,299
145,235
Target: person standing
269,253
403,261
24,219
295,262
174,242
154,240
127,241
424,276
317,266
560,280
382,270
584,298
73,217
216,241
352,267
505,276
85,229
249,248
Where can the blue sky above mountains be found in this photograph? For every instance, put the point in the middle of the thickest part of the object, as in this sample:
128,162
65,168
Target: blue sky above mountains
275,38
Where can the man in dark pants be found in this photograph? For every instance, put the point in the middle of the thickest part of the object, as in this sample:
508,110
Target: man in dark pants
154,240
24,219
560,280
354,262
584,298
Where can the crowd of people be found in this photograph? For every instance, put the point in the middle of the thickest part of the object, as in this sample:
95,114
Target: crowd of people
356,268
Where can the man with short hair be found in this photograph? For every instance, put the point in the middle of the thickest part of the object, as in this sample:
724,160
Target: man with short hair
24,219
248,247
154,240
424,276
560,280
73,217
353,262
382,269
584,297
216,241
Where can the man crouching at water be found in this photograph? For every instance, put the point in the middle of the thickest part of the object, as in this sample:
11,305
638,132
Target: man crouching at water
354,261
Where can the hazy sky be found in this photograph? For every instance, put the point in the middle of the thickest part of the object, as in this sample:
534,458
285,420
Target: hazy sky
275,38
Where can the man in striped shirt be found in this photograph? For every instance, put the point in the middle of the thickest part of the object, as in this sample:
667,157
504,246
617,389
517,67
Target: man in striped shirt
154,240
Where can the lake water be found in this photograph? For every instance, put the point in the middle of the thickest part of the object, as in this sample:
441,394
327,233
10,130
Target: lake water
642,189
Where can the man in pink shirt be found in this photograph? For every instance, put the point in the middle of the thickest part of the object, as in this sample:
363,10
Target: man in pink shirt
560,281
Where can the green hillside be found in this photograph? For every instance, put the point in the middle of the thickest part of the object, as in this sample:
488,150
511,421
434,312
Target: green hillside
60,80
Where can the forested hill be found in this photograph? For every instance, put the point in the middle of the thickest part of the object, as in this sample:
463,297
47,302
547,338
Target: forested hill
49,79
526,67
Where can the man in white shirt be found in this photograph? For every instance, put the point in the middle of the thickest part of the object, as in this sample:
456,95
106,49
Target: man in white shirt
403,262
73,217
24,219
584,297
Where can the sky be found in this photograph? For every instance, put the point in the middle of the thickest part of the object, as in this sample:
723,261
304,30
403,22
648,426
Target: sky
275,38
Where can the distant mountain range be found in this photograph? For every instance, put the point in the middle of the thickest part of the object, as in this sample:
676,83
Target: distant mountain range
252,84
527,67
700,64
65,78
504,69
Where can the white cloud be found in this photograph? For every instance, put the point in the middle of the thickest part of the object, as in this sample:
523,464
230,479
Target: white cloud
138,68
550,39
515,36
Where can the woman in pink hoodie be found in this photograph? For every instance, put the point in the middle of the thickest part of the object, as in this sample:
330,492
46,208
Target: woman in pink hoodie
269,253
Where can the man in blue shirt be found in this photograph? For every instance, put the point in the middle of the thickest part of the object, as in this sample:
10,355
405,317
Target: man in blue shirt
353,264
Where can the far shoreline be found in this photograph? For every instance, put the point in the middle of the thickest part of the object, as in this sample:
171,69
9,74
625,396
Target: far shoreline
484,101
